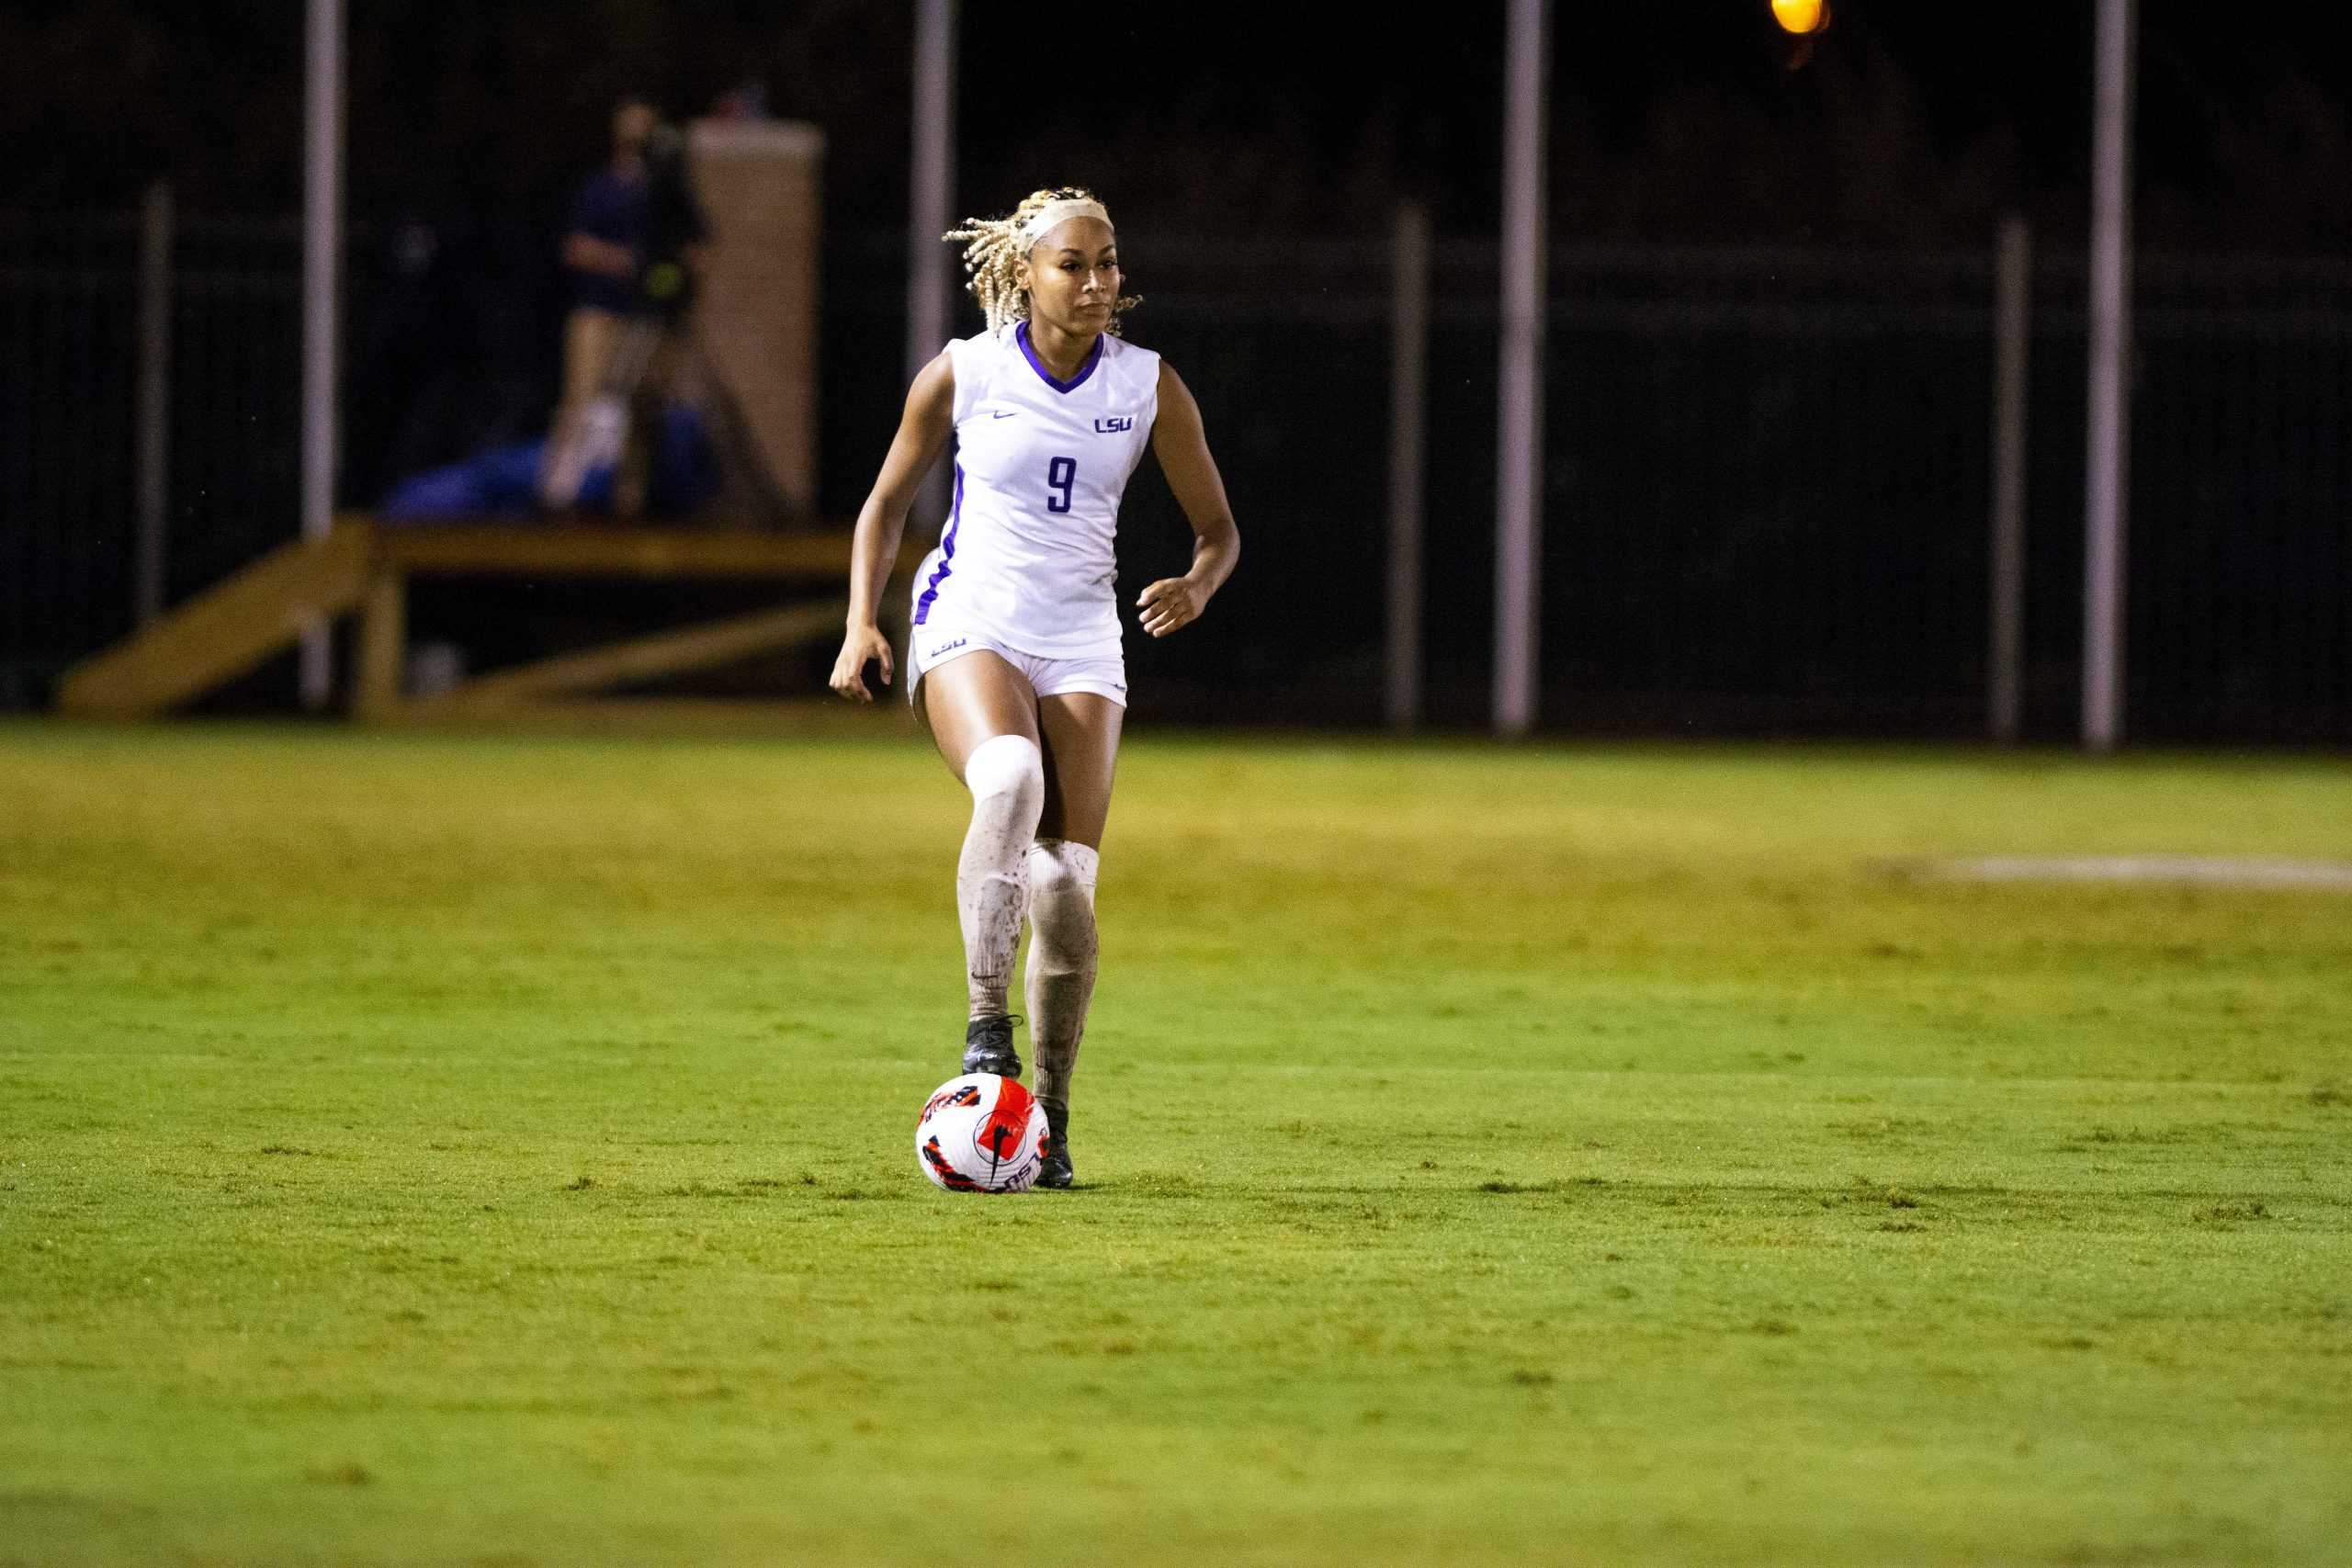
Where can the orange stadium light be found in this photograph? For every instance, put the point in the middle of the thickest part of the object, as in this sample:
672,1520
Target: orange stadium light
1800,17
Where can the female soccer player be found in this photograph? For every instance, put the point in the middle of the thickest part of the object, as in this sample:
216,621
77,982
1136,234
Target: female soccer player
1013,662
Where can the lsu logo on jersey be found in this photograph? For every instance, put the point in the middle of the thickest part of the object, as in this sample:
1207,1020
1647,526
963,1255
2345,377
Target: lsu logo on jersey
1114,425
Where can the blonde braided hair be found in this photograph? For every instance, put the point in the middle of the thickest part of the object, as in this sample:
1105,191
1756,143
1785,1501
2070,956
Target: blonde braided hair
994,246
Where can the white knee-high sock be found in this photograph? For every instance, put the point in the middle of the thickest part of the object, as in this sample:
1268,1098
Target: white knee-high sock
1007,777
1061,959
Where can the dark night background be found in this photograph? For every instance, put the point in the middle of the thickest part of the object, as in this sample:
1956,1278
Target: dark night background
1681,120
1801,299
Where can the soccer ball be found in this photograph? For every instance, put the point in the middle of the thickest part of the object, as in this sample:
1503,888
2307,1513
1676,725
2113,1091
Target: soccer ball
982,1133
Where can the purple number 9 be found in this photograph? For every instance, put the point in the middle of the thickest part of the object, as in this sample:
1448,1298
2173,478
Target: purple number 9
1060,474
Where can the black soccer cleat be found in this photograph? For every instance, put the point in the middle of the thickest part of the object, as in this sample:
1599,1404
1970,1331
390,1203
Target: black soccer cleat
988,1047
1057,1171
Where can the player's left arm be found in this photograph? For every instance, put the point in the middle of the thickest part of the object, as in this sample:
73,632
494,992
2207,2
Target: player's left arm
1183,448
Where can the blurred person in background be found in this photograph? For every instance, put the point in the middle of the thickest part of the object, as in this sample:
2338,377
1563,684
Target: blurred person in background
632,250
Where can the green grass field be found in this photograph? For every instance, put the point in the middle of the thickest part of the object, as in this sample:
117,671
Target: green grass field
440,1150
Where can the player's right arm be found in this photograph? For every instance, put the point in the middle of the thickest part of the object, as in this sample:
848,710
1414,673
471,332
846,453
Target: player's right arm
923,431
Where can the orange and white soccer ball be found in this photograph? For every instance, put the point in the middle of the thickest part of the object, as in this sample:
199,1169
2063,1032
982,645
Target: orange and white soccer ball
982,1133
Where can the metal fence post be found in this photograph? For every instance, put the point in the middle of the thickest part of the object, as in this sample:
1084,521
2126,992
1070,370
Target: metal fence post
321,309
1408,378
1519,461
151,455
931,199
2106,525
2012,337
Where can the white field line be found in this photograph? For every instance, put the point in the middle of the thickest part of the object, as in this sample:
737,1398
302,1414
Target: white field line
2206,871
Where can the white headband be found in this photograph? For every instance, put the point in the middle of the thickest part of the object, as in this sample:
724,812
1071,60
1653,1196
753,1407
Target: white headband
1057,213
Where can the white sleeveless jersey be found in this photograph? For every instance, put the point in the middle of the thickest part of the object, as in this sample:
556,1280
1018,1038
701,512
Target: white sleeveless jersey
1040,466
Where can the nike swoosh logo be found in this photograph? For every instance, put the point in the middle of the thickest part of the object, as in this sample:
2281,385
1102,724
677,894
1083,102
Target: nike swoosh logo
1004,415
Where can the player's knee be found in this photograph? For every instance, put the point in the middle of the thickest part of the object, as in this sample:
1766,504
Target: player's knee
1006,773
1061,890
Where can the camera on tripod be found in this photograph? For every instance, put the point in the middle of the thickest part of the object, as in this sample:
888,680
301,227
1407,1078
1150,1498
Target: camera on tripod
671,223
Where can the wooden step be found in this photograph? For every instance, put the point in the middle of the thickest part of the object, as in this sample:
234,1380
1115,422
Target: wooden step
703,647
224,632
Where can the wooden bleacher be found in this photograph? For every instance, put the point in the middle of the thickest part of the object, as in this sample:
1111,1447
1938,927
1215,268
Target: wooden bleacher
364,569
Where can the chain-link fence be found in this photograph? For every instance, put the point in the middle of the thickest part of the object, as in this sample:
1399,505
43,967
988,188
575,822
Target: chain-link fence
1768,472
227,424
